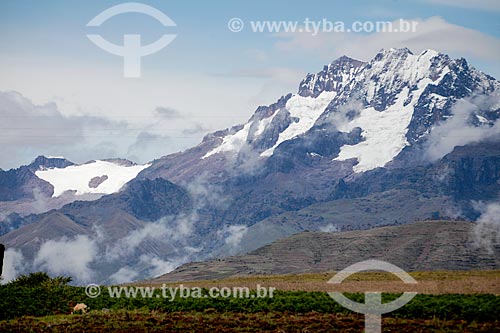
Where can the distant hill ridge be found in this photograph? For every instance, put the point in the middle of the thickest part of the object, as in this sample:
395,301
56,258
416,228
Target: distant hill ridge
419,246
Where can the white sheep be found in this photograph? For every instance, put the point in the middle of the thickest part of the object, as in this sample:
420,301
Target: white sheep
80,307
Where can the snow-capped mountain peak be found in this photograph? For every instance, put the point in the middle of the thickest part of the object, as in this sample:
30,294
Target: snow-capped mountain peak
381,106
391,86
49,162
333,77
294,114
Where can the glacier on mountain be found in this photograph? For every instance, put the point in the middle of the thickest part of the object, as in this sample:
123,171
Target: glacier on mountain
78,178
393,100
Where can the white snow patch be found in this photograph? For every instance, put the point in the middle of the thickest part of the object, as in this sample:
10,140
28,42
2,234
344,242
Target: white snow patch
437,101
482,120
412,69
385,132
307,110
236,141
263,124
232,142
77,177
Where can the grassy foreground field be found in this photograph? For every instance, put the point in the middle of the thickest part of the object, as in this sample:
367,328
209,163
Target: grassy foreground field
41,304
435,283
209,322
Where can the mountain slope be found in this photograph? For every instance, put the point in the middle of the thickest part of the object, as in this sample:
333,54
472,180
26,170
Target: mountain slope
52,182
361,144
361,113
130,230
18,183
100,177
386,116
420,246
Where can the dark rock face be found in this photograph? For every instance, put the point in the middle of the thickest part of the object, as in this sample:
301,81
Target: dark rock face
150,200
17,184
321,142
331,78
49,162
460,82
474,171
13,181
146,200
270,135
266,111
468,173
11,222
96,181
120,161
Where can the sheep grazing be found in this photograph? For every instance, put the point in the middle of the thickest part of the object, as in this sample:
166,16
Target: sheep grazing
80,307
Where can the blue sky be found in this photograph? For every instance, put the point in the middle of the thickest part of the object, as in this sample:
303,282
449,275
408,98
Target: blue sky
56,29
209,77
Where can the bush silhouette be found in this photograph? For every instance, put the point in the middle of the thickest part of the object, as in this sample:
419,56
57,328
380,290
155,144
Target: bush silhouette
37,294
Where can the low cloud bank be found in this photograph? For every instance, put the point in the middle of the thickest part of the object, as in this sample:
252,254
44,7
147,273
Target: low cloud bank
486,232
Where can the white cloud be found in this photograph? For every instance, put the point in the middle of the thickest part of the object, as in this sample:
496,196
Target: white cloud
487,228
102,94
167,230
68,257
475,4
81,257
158,266
432,33
29,130
276,81
457,130
233,235
124,274
127,245
168,112
184,226
330,227
150,265
257,55
206,194
282,75
14,265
